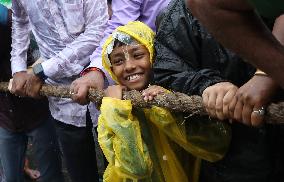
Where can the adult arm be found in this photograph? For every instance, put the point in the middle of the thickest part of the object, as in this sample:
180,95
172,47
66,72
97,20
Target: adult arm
20,44
278,29
235,24
72,59
258,91
20,37
68,62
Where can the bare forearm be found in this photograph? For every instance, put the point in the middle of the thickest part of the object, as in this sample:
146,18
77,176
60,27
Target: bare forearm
278,29
236,26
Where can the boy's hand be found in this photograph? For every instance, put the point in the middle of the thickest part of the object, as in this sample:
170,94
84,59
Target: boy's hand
217,99
114,91
152,92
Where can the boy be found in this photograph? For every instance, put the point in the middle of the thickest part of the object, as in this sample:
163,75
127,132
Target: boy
135,141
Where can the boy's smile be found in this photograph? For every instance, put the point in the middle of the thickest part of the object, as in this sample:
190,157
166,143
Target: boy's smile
131,65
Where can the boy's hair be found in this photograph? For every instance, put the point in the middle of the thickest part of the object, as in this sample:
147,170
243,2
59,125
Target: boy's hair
116,43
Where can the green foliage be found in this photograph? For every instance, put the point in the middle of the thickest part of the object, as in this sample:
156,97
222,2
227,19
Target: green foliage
7,3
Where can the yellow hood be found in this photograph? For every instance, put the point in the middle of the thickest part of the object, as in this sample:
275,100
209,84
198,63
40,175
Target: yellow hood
136,30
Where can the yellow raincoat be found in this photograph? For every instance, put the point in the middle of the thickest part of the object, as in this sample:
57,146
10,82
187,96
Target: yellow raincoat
154,144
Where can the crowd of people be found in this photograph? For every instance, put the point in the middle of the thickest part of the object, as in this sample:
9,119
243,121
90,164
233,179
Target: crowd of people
229,52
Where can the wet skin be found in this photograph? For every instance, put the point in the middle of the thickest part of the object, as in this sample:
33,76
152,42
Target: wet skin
131,66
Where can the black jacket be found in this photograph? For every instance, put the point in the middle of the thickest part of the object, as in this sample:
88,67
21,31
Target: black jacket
188,60
17,114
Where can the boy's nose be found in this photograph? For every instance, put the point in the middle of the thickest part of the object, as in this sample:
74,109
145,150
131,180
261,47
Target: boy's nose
130,65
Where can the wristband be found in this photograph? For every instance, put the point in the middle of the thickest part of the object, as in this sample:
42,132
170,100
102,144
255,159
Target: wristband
260,73
38,71
87,70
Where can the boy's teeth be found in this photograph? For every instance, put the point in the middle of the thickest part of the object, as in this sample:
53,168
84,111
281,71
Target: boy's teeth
132,77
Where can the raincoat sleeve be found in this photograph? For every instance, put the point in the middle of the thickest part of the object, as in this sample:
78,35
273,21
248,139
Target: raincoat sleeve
120,138
205,139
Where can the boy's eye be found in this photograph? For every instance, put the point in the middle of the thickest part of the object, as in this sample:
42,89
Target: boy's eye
138,55
117,61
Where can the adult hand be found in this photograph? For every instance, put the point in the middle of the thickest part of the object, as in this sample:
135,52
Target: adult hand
79,88
33,86
114,91
250,98
19,83
217,98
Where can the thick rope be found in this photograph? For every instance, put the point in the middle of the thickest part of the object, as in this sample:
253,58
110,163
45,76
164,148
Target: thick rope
176,102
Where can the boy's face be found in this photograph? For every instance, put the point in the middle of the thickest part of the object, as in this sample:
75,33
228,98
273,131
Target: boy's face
131,65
